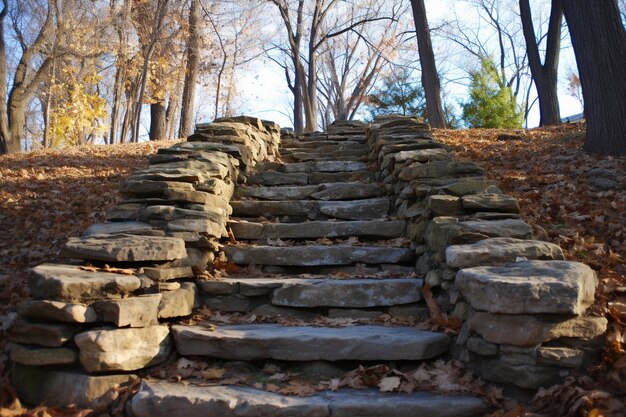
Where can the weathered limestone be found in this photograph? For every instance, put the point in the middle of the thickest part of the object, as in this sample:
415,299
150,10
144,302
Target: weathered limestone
529,287
42,356
316,255
71,284
326,192
514,228
123,349
367,209
271,341
37,385
360,293
156,399
315,229
439,169
525,330
490,202
179,302
56,311
42,334
125,248
500,250
138,311
133,228
167,274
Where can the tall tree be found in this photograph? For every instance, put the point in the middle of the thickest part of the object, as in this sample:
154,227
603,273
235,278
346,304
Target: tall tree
31,70
544,75
430,77
192,71
599,42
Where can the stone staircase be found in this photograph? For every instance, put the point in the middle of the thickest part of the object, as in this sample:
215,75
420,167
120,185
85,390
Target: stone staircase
314,238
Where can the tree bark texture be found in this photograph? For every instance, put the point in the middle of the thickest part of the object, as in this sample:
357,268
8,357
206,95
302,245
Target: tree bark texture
158,121
544,75
599,42
191,72
430,77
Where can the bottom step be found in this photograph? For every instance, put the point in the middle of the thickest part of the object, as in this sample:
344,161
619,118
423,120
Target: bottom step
156,399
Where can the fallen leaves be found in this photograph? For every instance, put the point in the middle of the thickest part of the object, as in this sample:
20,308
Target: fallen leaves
449,325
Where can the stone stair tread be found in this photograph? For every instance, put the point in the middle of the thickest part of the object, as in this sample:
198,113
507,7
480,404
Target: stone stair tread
319,166
321,292
330,191
499,250
365,209
305,343
168,399
316,229
273,178
125,248
317,255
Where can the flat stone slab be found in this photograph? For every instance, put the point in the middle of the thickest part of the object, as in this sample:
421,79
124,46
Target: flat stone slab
156,399
529,287
330,191
500,250
491,202
125,248
325,166
300,292
272,178
316,229
367,209
71,284
42,356
113,228
37,385
56,311
525,330
314,255
294,343
514,228
123,349
440,169
358,293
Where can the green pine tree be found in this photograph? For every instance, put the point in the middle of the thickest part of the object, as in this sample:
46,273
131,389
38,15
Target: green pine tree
491,103
398,95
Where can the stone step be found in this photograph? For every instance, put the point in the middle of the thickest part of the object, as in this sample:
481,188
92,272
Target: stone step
311,293
500,250
366,209
329,191
314,166
336,155
125,248
320,144
167,399
316,229
304,343
314,255
273,178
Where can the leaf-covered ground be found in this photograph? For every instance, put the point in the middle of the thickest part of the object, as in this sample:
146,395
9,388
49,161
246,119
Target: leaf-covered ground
571,198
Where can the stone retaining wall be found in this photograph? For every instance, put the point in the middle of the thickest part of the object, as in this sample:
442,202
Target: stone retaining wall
103,314
523,308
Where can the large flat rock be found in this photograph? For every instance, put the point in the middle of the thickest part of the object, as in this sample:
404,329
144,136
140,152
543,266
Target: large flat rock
529,287
317,255
525,330
125,248
374,208
292,343
316,229
156,399
354,293
322,292
500,250
37,385
325,166
514,228
71,284
330,191
123,349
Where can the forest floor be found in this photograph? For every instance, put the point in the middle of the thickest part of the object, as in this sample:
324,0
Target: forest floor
570,198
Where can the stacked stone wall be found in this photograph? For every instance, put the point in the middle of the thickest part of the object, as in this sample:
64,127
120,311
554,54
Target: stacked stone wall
101,316
525,311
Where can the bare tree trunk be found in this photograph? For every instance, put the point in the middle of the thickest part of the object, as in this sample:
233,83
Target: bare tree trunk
7,144
158,121
544,75
120,73
191,73
128,117
158,20
599,42
430,77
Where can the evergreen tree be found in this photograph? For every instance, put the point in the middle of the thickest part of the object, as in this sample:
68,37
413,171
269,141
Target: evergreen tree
492,103
398,95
